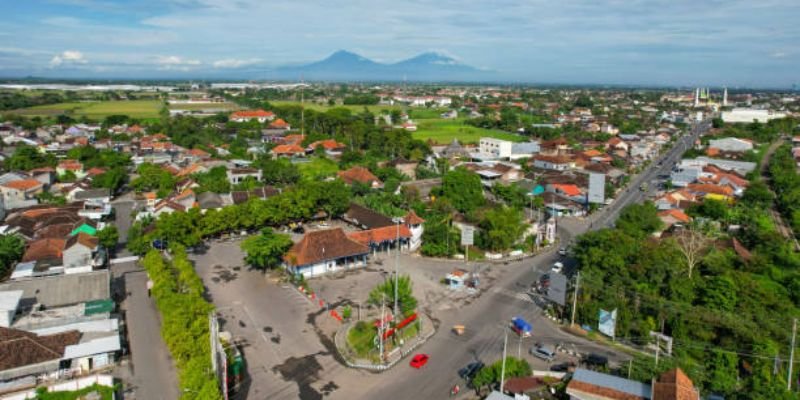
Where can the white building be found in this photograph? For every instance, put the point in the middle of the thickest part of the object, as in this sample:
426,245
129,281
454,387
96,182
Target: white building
739,115
494,149
730,144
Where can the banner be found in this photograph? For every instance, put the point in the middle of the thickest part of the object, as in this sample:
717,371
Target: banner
608,322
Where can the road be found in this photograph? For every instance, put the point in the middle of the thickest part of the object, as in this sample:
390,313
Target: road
487,317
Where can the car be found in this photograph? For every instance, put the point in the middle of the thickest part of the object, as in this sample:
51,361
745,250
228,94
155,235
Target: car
419,361
562,367
557,267
543,352
469,372
596,360
562,251
299,230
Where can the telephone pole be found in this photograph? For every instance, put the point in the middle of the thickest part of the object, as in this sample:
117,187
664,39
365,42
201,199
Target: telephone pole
575,298
503,368
791,356
380,330
396,262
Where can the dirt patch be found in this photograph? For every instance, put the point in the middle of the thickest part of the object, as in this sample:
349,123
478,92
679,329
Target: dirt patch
276,339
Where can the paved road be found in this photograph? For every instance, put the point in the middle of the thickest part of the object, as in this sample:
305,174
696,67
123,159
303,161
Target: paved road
487,317
154,375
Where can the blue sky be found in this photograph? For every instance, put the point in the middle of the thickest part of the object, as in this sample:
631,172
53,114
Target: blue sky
675,42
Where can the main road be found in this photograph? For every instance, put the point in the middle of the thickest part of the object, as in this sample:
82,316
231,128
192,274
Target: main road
486,319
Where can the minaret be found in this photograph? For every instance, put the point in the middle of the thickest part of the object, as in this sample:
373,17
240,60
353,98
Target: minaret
725,97
696,97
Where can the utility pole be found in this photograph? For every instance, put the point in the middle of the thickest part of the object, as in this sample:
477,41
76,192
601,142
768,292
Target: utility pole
503,368
630,366
396,262
658,348
575,298
791,356
519,347
302,107
380,326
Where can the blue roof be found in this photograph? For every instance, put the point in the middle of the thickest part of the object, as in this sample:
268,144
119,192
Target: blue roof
623,385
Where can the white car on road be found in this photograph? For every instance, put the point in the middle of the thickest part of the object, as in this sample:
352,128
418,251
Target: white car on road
557,267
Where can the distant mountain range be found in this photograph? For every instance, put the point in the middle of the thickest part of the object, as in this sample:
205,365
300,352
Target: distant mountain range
348,66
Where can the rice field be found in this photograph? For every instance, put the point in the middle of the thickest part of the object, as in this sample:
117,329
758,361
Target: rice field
97,109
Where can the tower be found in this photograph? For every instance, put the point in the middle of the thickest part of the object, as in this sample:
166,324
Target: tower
696,97
725,97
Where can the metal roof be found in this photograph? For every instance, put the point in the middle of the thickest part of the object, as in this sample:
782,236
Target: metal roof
623,385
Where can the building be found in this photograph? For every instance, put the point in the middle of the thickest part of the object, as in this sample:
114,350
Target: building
20,193
81,253
238,175
748,115
495,149
731,145
384,239
552,163
740,167
249,115
591,385
361,175
325,251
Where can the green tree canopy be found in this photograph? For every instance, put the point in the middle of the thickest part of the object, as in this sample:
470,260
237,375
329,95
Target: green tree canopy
490,375
501,227
464,189
385,291
265,250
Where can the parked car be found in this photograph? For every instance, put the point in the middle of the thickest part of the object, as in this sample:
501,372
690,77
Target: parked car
557,267
521,327
595,360
419,361
543,352
563,367
562,251
469,372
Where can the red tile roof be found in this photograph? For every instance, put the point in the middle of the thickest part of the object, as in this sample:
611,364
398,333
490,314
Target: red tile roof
252,114
24,184
318,246
380,235
569,190
288,149
674,385
358,174
44,249
676,214
72,165
198,153
294,139
279,124
328,144
709,188
413,219
21,348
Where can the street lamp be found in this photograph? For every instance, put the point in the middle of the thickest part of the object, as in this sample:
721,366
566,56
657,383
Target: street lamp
397,221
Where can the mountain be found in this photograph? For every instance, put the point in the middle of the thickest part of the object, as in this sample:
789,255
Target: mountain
348,66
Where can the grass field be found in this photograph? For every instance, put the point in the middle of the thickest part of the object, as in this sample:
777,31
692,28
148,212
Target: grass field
318,168
443,131
204,106
97,109
413,112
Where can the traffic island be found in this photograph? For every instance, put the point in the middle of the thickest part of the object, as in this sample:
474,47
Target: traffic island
359,346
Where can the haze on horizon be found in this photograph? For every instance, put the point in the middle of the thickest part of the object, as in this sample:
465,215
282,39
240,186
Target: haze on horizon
642,42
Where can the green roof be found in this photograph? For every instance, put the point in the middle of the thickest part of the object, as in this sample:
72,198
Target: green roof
98,307
85,228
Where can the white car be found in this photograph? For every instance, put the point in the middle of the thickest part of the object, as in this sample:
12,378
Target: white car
557,267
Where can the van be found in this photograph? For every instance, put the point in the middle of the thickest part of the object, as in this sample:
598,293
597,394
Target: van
543,352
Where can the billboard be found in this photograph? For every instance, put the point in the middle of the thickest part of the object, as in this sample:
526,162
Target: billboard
557,291
467,235
597,188
608,322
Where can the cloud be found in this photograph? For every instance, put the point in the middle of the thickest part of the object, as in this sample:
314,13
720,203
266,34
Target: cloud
234,63
176,63
778,54
67,57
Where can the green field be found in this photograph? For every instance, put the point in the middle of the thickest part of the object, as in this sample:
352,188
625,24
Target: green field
204,106
97,109
443,131
318,168
413,112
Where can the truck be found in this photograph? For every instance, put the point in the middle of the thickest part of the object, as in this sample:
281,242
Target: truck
521,327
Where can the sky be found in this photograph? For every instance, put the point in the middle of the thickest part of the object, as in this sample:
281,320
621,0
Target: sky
730,43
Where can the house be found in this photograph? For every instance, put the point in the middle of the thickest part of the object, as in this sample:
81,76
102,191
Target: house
45,254
674,385
324,251
383,239
209,201
364,218
21,193
673,216
167,207
97,196
26,353
249,115
570,191
330,146
361,175
288,150
239,197
238,175
591,385
279,125
494,149
405,167
81,254
616,143
74,166
553,163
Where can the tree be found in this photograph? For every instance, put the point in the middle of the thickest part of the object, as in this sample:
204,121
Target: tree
639,220
112,179
758,194
265,250
11,249
490,375
501,227
108,236
385,292
179,228
464,189
26,158
692,244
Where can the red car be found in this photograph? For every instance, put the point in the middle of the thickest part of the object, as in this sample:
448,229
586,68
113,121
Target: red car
419,361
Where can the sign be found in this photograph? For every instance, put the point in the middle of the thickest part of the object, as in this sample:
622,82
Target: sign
557,291
597,188
608,322
467,235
